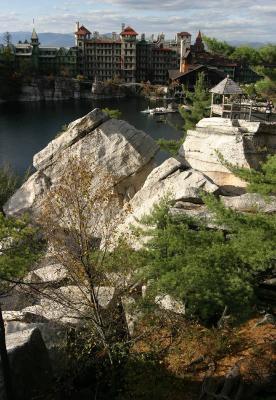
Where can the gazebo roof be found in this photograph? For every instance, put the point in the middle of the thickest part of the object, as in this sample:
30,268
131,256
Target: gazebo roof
227,86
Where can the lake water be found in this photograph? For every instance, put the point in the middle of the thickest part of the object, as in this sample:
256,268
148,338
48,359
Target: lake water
25,128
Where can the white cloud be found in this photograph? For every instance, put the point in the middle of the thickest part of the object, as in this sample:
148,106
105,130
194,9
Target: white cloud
248,20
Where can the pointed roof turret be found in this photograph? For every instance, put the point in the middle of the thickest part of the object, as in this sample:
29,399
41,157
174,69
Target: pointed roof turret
199,45
227,86
199,36
34,35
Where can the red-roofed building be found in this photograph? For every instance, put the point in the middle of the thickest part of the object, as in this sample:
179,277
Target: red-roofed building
128,31
128,53
82,31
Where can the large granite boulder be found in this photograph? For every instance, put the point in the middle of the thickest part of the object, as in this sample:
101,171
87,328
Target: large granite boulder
171,179
174,179
111,145
30,365
240,142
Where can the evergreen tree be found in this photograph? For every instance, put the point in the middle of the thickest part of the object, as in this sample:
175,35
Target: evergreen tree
210,269
246,55
262,181
218,47
199,101
9,182
19,248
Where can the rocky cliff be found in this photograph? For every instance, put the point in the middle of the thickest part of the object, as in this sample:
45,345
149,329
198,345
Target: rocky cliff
239,142
53,89
58,88
128,155
114,146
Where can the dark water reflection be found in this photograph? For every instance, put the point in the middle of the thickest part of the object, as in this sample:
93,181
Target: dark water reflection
26,128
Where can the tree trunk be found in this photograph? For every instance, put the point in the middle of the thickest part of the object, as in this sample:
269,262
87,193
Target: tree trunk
5,360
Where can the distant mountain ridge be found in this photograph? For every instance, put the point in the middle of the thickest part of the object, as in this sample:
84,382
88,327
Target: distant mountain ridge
67,39
256,45
46,39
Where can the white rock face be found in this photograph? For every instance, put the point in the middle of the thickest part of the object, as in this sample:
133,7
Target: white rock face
53,273
113,146
29,195
166,302
76,130
169,179
240,142
251,202
66,305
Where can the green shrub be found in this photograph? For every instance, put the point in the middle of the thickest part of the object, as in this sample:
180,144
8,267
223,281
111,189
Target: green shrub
9,182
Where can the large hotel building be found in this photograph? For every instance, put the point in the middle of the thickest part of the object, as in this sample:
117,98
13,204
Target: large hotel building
103,57
127,56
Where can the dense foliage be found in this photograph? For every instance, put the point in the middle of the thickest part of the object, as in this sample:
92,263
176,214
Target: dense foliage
218,47
19,244
10,81
261,60
112,113
205,268
9,182
19,248
212,268
199,100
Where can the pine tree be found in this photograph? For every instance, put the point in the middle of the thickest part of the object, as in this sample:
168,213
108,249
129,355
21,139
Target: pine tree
261,181
210,269
199,100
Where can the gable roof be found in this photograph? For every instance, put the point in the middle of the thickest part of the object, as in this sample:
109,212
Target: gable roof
83,31
176,74
227,86
129,31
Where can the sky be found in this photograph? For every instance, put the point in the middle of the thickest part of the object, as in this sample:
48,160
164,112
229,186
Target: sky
243,20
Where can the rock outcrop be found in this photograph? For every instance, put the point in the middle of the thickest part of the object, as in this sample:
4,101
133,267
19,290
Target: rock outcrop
62,88
128,156
172,179
114,146
250,202
240,142
53,89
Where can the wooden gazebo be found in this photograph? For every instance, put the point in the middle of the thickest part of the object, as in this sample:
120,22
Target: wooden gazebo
227,100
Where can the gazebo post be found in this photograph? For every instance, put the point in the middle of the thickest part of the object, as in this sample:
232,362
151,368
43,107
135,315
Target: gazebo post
250,111
240,114
212,103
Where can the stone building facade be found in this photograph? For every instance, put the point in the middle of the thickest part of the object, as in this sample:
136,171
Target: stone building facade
31,57
124,56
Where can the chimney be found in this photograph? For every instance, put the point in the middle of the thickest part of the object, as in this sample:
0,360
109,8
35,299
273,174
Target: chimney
114,36
77,26
183,61
123,27
181,48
